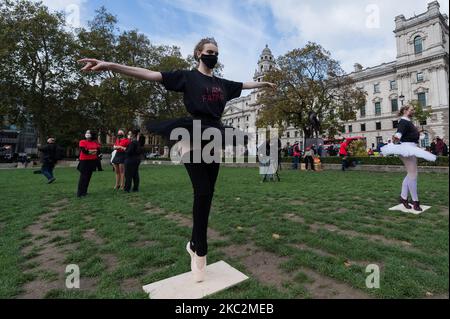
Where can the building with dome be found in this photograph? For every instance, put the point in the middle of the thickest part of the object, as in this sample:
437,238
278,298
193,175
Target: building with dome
420,72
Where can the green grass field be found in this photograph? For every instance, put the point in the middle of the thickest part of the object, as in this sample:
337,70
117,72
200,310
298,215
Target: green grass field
310,236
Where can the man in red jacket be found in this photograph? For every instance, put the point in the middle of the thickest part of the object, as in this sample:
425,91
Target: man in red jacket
343,152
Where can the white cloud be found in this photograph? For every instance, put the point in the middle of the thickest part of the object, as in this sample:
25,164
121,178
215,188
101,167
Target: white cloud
240,35
74,10
62,4
342,26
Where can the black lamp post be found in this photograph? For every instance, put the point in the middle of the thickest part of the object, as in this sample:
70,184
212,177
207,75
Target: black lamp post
402,98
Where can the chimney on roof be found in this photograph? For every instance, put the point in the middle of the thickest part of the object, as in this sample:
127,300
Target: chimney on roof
358,67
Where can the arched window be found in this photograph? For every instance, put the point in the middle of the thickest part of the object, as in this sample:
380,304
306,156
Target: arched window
418,45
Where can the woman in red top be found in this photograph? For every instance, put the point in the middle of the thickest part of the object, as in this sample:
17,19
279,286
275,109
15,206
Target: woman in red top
120,146
89,150
343,152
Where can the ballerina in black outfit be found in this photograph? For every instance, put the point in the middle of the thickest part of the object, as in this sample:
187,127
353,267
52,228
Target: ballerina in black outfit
205,97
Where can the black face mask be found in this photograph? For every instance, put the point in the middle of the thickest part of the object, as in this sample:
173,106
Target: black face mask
120,136
209,60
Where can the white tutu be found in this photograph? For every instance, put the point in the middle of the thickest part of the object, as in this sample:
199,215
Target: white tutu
407,150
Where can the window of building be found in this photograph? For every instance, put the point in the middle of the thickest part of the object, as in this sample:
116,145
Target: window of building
376,88
418,45
419,76
377,108
394,105
362,111
378,126
363,127
342,130
422,97
395,124
288,134
393,85
350,128
379,140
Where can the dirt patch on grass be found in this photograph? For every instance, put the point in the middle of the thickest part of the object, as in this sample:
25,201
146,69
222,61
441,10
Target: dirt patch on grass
297,202
111,262
316,251
444,211
323,287
184,221
238,251
342,210
153,210
294,218
353,234
131,285
47,257
322,253
144,243
265,267
350,233
92,236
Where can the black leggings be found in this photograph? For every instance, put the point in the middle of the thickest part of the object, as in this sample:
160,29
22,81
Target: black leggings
86,169
309,162
132,174
203,177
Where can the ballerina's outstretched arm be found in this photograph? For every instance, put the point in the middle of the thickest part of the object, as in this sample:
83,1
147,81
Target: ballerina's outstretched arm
94,65
257,85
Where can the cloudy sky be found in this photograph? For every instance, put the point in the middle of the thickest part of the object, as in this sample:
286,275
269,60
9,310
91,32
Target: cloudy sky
353,30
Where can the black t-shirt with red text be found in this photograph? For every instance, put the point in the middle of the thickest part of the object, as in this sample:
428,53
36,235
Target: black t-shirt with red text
204,96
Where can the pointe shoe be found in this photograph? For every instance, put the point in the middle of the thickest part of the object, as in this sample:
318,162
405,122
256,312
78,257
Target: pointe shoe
417,207
405,203
199,270
192,254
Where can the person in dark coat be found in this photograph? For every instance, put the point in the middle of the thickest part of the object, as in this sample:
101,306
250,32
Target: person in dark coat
49,158
133,154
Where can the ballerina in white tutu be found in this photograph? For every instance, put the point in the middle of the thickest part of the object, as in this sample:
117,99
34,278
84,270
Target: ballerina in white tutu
406,146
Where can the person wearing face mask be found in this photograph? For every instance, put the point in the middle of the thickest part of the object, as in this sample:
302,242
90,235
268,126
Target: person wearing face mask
406,146
89,150
205,98
120,146
132,161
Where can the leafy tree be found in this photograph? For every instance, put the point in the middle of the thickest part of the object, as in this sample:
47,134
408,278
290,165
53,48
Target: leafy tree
36,65
309,82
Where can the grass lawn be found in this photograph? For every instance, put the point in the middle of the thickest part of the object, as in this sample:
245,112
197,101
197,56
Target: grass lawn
310,236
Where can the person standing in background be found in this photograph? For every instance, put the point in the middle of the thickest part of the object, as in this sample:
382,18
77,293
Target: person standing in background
297,155
120,146
132,161
439,146
309,158
89,150
343,152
